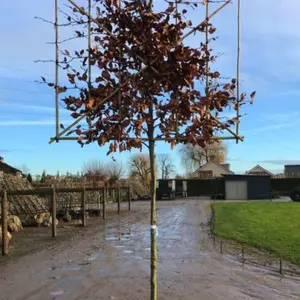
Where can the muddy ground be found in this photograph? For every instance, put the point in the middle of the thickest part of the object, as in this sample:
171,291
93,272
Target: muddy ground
111,261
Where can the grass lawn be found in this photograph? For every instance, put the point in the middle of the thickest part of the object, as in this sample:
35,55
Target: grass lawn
267,225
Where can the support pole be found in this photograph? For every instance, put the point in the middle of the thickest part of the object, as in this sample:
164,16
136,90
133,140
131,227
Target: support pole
238,67
99,204
280,266
104,204
83,199
89,57
56,72
129,198
119,200
53,213
221,247
206,48
4,211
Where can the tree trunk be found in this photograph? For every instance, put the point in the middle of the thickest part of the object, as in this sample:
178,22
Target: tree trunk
153,220
153,277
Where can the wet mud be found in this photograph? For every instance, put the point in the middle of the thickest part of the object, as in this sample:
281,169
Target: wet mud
111,261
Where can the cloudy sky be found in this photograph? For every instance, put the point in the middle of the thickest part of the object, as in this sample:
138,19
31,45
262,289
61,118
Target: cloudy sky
270,63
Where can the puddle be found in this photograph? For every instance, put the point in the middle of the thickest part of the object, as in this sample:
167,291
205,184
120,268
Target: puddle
112,238
70,268
103,272
124,238
128,251
119,246
91,258
57,293
138,257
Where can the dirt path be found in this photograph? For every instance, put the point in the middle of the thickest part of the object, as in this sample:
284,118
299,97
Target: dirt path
112,262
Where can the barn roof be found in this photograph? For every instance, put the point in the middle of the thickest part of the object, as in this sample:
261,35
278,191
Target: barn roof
4,167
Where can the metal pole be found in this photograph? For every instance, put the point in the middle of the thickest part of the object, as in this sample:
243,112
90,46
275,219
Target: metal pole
215,138
4,211
238,67
119,200
129,198
53,212
56,72
206,45
280,266
89,55
83,207
104,204
221,247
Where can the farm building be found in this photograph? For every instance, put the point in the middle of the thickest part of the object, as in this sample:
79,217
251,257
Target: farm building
247,187
7,169
292,171
171,188
12,179
212,170
259,170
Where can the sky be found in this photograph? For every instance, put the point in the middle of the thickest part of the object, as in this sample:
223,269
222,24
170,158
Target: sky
270,62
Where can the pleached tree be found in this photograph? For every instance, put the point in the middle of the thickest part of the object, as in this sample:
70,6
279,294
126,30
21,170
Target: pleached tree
146,84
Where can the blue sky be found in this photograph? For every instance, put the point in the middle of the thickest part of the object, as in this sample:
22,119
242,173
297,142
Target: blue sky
270,65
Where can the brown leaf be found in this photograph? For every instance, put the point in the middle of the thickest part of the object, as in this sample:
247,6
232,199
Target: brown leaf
75,115
91,103
98,79
61,89
84,76
106,75
252,95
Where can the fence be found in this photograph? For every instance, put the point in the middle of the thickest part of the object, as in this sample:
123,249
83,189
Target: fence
255,257
83,203
208,187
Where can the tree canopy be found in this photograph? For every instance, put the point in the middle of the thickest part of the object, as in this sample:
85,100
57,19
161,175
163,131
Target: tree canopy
148,79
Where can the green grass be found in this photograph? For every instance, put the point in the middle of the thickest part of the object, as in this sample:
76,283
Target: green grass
271,226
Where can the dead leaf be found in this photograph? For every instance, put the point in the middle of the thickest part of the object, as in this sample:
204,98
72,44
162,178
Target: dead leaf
106,75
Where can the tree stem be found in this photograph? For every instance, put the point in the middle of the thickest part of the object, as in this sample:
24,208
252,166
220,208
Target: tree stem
153,221
152,157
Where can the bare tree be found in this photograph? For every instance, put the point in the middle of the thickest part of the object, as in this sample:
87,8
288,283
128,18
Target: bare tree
114,171
178,176
25,169
95,168
140,168
195,156
166,166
